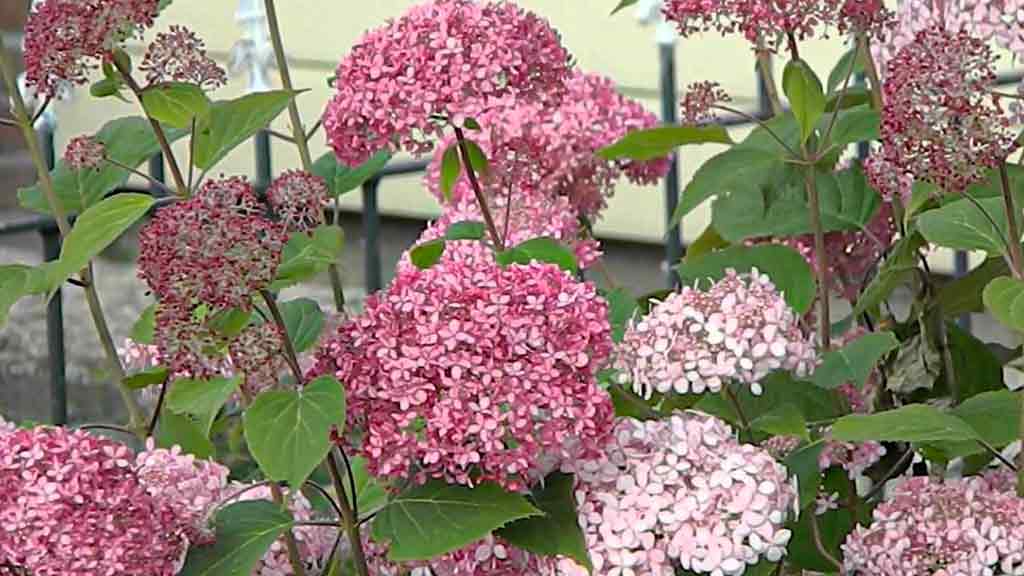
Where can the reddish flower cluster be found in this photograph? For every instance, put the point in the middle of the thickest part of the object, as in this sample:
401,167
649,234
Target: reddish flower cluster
84,153
257,353
551,151
216,247
71,504
939,123
187,345
927,527
489,557
64,39
297,199
890,182
699,100
444,59
469,372
178,55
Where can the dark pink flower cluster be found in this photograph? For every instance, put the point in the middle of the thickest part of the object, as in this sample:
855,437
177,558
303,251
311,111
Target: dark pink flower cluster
550,151
696,105
216,247
442,60
890,182
178,55
72,504
962,527
257,353
186,343
297,199
84,153
64,39
469,372
939,123
491,556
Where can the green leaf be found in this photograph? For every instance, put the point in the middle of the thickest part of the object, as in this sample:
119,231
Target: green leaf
854,362
244,533
230,322
142,330
427,254
622,5
898,267
806,96
963,295
435,518
94,230
962,225
736,170
201,399
129,141
305,256
371,493
833,527
785,266
181,430
288,431
17,281
304,321
232,122
465,230
1004,298
146,378
621,308
994,416
176,104
975,368
105,88
842,69
779,388
542,249
451,167
785,420
652,143
912,423
341,179
477,159
857,124
708,241
557,532
803,463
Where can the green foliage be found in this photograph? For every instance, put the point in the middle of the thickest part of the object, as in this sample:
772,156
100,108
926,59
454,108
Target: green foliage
176,104
304,321
288,431
146,378
912,423
856,124
451,167
175,429
833,525
465,230
899,267
967,225
780,388
621,308
995,418
427,254
371,493
16,282
201,399
142,330
708,241
850,61
786,267
803,463
435,518
623,4
244,533
557,532
657,142
305,255
805,93
736,170
975,368
341,179
232,122
855,361
541,249
964,294
783,420
1004,298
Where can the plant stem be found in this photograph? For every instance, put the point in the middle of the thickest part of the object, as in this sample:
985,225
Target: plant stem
794,50
155,418
294,558
842,96
299,134
764,67
477,190
289,350
731,396
824,322
1013,242
158,131
348,519
21,115
816,535
154,182
871,69
759,122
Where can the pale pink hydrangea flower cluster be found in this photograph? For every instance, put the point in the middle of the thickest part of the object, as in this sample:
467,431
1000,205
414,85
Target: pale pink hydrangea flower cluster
84,153
681,490
469,371
931,528
739,330
64,39
442,60
314,542
491,556
550,151
71,504
138,357
178,55
939,123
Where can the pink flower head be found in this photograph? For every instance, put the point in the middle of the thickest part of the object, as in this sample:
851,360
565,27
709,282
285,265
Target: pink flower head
682,490
528,217
64,39
257,353
187,345
72,504
450,59
469,371
935,528
890,182
84,153
215,247
697,103
491,556
138,357
314,542
551,151
298,199
178,55
939,123
739,330
190,486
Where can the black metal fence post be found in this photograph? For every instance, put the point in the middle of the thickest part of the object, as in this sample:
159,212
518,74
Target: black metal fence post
54,308
264,162
371,236
673,236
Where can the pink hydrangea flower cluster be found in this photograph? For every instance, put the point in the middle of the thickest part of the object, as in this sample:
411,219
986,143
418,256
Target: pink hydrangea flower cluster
550,151
699,100
257,353
469,371
491,556
298,200
64,39
191,487
138,357
84,153
187,345
71,504
739,330
216,247
178,55
939,123
314,542
890,182
928,527
682,490
443,59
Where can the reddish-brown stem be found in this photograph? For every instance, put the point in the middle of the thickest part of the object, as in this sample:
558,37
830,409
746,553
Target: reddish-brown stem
478,190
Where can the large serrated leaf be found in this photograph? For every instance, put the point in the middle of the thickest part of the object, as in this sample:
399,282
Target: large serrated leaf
244,533
557,532
913,423
854,362
652,143
232,122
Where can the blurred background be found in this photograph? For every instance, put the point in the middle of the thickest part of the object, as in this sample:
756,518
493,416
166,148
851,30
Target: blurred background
643,57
